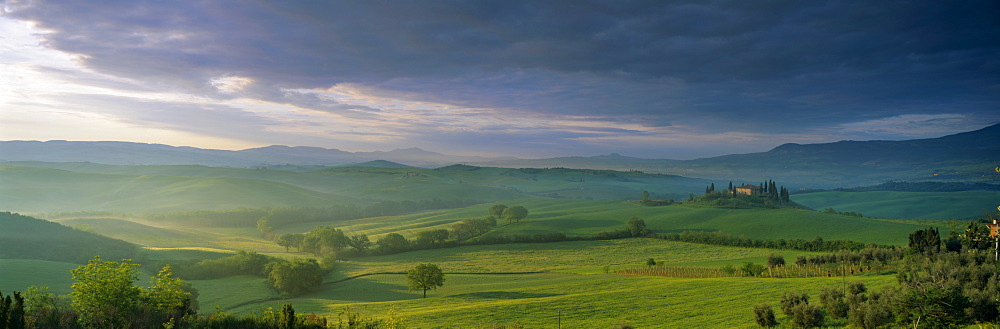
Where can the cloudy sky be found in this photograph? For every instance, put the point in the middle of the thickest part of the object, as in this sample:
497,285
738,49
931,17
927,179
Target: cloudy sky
652,79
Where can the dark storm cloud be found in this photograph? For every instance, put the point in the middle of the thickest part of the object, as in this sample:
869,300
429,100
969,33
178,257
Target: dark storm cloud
726,65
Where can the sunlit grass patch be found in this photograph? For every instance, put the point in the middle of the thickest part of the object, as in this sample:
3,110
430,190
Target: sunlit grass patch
563,256
231,292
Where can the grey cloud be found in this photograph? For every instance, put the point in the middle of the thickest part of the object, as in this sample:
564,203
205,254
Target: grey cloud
212,120
725,65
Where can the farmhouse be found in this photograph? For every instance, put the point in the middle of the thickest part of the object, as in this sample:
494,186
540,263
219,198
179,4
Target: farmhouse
748,189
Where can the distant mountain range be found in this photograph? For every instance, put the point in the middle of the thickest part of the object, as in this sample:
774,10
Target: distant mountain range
968,157
964,157
127,153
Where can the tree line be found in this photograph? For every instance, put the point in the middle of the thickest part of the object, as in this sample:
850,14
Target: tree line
725,239
287,276
941,285
330,242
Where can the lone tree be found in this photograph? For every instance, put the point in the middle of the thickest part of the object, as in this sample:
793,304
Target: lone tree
636,227
425,276
497,210
515,213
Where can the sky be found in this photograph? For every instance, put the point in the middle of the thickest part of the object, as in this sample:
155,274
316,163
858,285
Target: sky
530,79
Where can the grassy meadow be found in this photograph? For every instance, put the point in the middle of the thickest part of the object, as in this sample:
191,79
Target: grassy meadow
19,274
539,285
582,301
585,217
905,205
586,257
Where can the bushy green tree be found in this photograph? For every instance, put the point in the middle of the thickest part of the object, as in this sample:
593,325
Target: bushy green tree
832,299
295,276
105,294
869,310
360,243
764,314
497,210
429,238
926,240
751,269
790,299
291,240
805,315
930,305
977,236
425,276
515,213
393,243
636,227
167,294
324,240
775,261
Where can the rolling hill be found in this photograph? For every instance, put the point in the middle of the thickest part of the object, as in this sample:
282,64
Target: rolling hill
55,187
23,237
34,189
906,205
968,156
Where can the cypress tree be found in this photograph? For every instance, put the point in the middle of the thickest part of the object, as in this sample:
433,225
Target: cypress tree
16,318
5,302
287,317
730,186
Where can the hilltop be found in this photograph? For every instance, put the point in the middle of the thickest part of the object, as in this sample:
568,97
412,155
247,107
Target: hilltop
964,157
40,187
23,237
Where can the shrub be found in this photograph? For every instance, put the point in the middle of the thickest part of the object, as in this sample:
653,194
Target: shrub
764,315
807,316
775,261
833,300
751,269
790,299
871,314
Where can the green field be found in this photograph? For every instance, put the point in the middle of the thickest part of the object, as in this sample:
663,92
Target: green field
571,217
32,189
575,287
585,217
906,205
581,301
19,274
574,256
572,283
38,187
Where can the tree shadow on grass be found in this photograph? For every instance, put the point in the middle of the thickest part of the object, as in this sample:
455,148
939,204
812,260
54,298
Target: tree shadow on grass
502,295
682,230
377,288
